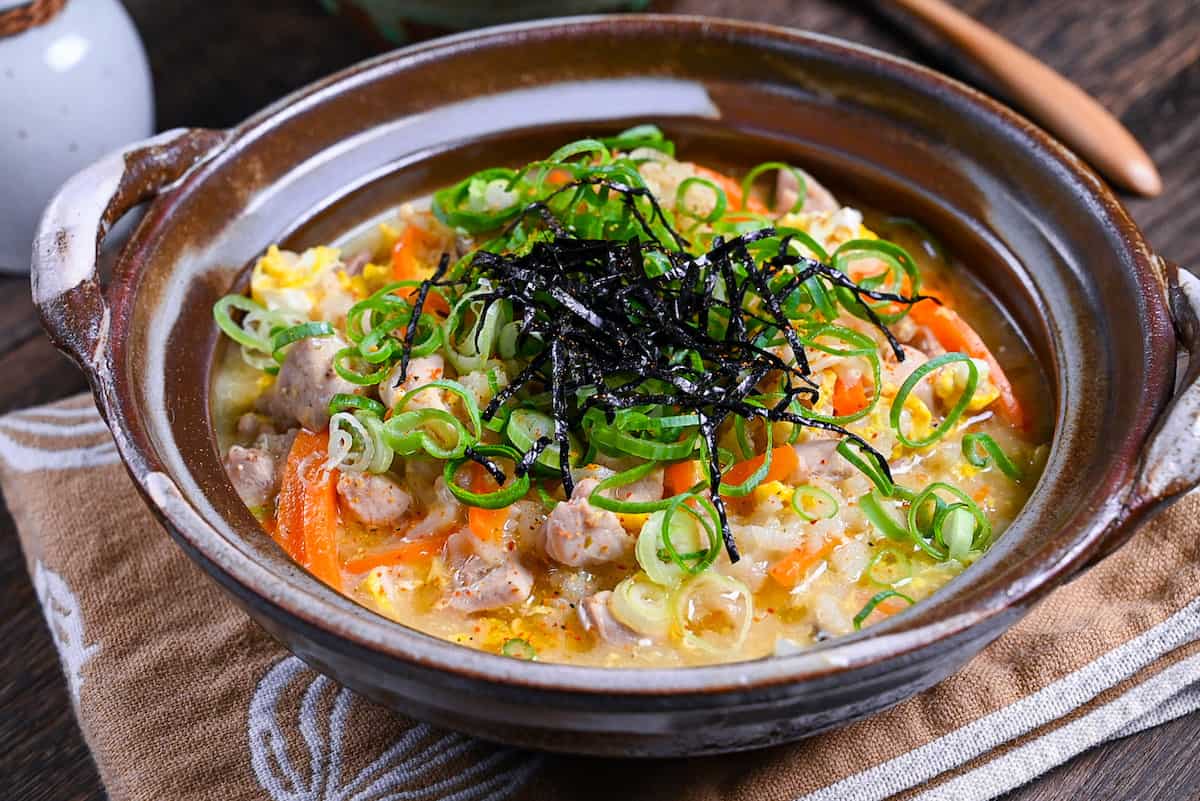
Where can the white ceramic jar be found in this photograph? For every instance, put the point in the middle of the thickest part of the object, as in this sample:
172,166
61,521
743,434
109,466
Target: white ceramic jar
71,91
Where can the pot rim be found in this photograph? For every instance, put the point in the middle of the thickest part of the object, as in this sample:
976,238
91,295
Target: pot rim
307,603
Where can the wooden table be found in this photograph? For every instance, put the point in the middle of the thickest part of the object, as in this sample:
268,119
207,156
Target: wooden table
215,63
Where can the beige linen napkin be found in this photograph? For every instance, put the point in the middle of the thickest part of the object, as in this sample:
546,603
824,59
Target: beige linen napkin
180,695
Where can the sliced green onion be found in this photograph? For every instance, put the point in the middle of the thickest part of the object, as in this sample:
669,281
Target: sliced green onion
613,439
624,478
452,204
827,505
643,605
882,483
281,339
698,599
971,444
353,376
951,416
518,648
221,313
901,570
769,166
428,431
514,488
526,426
871,505
686,539
720,202
956,529
875,601
981,532
341,401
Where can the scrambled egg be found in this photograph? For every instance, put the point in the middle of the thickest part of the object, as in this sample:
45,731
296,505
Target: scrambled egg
283,280
951,380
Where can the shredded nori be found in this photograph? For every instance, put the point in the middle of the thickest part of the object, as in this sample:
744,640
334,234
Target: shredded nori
610,334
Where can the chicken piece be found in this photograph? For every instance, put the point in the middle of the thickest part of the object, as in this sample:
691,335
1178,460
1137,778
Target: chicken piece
581,535
306,382
252,426
816,197
819,457
483,575
355,264
253,473
924,340
444,512
257,471
376,500
596,617
421,371
897,372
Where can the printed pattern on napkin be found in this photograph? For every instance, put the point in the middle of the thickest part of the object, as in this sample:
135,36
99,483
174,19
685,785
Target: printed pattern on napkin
408,768
180,695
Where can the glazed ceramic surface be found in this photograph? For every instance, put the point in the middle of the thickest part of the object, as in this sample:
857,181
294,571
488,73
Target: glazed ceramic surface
71,91
1037,227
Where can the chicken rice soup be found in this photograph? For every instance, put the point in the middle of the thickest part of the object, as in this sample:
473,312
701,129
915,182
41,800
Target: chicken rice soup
618,408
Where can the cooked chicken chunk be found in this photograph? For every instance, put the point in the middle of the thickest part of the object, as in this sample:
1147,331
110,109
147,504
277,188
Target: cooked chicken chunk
257,471
483,575
581,535
596,617
819,457
306,382
253,473
816,198
376,500
421,371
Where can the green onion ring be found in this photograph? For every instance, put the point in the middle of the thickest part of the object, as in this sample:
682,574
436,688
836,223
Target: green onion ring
515,489
971,443
809,491
875,601
952,416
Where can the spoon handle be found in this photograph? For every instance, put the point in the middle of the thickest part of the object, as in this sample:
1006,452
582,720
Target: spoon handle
1065,109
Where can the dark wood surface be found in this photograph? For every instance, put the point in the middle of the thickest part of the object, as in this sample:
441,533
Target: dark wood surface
215,63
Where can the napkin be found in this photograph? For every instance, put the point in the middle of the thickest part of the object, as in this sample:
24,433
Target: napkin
180,695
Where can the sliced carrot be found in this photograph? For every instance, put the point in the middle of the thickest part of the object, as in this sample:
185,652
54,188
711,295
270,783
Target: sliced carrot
404,553
955,334
408,255
789,570
558,177
486,524
306,516
680,477
783,462
850,398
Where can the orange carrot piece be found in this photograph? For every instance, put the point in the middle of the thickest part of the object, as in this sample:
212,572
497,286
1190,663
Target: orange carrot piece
850,398
404,553
783,461
486,524
679,477
306,516
789,570
955,334
407,265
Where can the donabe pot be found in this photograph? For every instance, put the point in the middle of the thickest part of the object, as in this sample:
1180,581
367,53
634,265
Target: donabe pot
1043,234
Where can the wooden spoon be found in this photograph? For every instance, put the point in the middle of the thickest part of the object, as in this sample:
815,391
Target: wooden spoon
1065,109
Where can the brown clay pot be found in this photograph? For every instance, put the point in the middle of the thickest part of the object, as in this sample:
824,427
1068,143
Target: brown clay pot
1044,235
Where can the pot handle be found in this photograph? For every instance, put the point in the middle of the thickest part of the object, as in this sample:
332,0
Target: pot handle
66,283
1170,464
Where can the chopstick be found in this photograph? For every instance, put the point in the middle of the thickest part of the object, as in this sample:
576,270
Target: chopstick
1066,110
